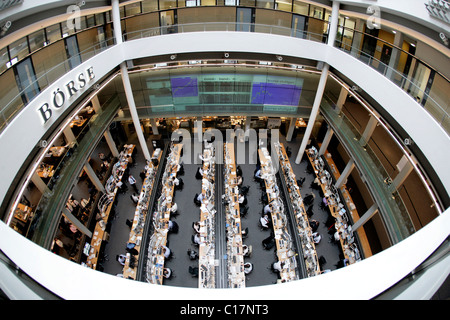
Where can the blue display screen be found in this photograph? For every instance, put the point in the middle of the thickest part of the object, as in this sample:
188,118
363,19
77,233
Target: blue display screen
277,94
184,87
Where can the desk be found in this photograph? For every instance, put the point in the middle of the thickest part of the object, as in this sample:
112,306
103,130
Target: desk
351,207
303,227
99,235
206,260
161,217
140,214
285,250
45,170
236,275
347,243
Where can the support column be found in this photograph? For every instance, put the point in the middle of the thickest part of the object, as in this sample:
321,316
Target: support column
93,177
365,217
370,127
133,110
77,223
314,112
406,169
326,141
154,126
290,132
344,175
342,98
111,144
68,134
95,104
199,126
116,21
321,86
38,182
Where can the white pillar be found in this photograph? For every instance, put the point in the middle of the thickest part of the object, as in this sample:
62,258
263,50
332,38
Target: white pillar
321,87
290,131
344,175
116,21
314,112
93,177
199,126
333,23
342,98
326,141
365,217
154,126
68,134
38,182
402,175
81,227
370,127
133,111
95,104
111,143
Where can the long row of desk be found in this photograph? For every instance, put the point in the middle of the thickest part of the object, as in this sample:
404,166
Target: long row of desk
303,227
337,208
207,263
285,246
140,215
235,255
105,205
161,216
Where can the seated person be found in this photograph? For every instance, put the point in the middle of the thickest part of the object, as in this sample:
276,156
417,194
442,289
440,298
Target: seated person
245,250
122,258
248,267
277,266
316,237
265,221
174,208
196,226
314,224
268,209
196,239
167,273
258,174
172,226
166,251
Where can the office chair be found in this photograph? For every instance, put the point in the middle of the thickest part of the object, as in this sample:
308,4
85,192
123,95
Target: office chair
180,185
244,190
245,233
193,255
129,223
197,203
193,240
250,250
243,210
193,271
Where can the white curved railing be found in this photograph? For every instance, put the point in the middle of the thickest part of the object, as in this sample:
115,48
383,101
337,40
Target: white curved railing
368,278
363,280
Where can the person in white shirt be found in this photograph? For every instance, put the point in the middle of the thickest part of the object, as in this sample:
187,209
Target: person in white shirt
167,273
166,251
122,258
278,266
248,267
265,221
268,209
197,238
132,182
316,237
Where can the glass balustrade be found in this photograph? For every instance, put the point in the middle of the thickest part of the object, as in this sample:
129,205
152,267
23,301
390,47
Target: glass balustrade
59,185
391,206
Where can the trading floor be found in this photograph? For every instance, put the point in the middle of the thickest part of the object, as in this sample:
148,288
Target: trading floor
188,213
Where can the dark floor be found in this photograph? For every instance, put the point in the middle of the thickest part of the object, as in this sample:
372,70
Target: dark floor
180,243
